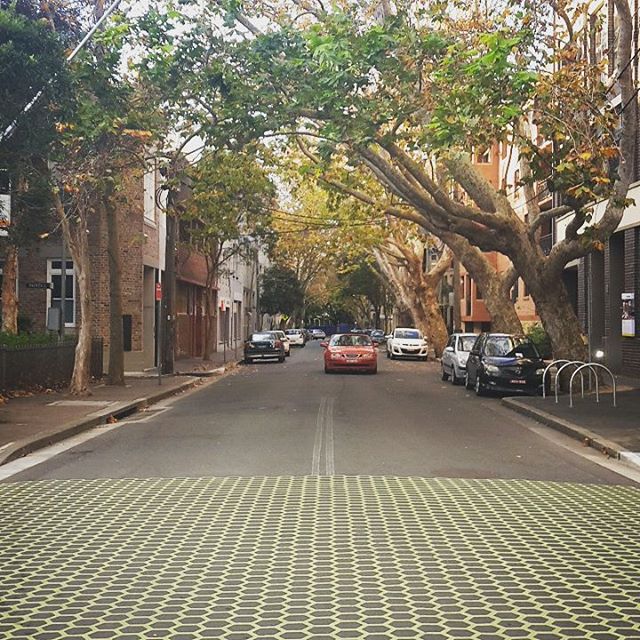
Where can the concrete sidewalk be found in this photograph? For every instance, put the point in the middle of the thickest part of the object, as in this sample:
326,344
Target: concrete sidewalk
31,422
613,430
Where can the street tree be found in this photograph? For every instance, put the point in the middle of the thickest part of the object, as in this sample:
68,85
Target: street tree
400,259
31,60
369,291
423,86
227,214
280,291
98,146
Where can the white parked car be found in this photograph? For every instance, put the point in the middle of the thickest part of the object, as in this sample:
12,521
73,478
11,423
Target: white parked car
318,334
281,335
296,337
406,342
455,355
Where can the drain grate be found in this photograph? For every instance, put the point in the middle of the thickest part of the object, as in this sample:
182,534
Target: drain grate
318,557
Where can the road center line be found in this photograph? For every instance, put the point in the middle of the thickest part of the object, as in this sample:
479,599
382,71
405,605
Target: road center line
328,427
317,444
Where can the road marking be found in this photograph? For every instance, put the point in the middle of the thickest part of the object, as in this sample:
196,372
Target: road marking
328,427
324,439
42,455
317,444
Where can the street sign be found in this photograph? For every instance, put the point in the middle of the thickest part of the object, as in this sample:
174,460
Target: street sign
158,291
38,285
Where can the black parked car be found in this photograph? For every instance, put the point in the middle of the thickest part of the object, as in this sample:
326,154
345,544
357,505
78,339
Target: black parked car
262,346
504,362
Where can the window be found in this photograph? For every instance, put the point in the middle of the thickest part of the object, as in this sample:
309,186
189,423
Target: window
54,295
514,291
466,343
483,156
149,193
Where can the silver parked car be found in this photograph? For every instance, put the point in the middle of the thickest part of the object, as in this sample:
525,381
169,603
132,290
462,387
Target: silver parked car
455,355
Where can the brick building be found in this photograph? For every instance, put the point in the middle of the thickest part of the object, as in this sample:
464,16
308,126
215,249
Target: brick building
142,227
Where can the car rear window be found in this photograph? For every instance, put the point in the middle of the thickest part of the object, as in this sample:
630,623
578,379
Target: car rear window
261,337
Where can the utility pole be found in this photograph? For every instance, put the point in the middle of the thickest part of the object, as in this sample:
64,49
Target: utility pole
169,290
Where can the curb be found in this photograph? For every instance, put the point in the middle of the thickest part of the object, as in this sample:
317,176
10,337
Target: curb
56,434
588,438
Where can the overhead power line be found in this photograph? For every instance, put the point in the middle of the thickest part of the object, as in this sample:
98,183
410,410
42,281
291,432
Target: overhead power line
9,131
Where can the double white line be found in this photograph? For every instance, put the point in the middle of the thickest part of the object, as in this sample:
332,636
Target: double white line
324,439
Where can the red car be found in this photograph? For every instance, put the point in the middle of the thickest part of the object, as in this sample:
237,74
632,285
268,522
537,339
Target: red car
349,352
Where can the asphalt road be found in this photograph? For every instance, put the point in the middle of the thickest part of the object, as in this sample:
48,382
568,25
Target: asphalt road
292,419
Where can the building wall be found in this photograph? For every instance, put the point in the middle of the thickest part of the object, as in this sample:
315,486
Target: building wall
631,346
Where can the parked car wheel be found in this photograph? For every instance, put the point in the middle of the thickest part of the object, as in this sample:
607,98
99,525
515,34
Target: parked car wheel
281,359
248,361
455,379
467,382
445,375
327,370
374,371
425,359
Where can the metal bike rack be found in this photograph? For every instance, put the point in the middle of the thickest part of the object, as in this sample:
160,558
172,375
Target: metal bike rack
555,363
592,366
579,364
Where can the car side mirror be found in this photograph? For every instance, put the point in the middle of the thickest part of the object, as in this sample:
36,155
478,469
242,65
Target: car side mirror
449,349
324,345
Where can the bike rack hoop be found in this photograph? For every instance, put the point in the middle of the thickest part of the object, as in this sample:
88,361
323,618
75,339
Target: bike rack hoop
555,363
592,366
569,363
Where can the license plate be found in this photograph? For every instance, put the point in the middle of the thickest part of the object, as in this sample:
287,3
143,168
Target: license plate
518,381
352,357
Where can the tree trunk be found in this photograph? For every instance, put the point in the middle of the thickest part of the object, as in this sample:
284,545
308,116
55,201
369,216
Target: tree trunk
77,240
208,297
418,293
495,295
558,317
9,295
429,317
116,334
456,319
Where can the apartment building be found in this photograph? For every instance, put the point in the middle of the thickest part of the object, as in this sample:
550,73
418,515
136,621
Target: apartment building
606,284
